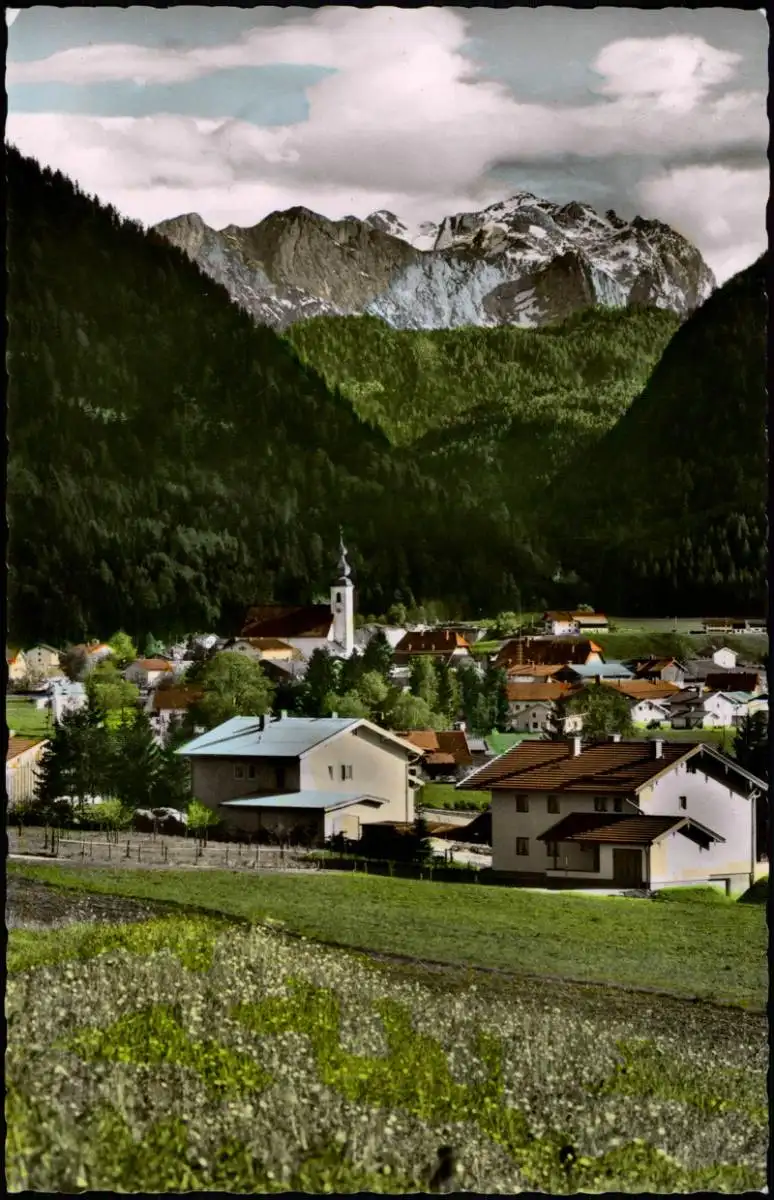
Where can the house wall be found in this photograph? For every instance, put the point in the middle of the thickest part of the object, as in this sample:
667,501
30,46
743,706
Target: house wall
714,805
41,659
378,767
213,779
21,775
508,825
295,825
724,658
18,668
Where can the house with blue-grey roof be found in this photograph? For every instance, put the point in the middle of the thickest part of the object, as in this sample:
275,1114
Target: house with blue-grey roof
303,779
592,671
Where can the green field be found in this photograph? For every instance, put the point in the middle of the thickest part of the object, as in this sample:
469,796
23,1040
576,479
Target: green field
445,795
26,720
186,1054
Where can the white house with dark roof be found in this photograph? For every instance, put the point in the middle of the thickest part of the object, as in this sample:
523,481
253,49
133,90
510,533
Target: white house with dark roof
303,778
626,814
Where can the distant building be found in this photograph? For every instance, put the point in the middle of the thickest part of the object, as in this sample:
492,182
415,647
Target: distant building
42,659
22,758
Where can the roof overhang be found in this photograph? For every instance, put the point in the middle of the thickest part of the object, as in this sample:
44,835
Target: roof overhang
295,802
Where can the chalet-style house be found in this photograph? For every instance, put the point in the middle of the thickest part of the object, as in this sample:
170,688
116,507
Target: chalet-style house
446,755
621,814
575,622
22,757
263,649
659,670
442,645
148,672
16,665
531,706
715,710
303,779
552,652
43,660
592,672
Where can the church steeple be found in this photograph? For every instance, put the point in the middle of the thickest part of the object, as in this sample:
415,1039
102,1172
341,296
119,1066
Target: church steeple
343,602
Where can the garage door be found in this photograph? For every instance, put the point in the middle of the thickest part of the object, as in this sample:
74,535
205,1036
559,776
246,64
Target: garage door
627,868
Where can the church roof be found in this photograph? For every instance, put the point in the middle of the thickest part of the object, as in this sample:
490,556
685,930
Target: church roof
287,620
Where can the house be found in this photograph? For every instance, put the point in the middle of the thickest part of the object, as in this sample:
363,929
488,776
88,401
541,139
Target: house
549,651
393,634
533,673
146,672
736,681
650,712
446,754
725,657
170,704
531,706
43,660
644,689
663,670
66,697
16,663
443,645
263,648
627,814
577,621
307,627
22,756
593,672
733,625
713,710
303,778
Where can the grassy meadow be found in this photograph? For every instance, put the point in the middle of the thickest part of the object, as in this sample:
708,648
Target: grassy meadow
191,1053
445,795
25,719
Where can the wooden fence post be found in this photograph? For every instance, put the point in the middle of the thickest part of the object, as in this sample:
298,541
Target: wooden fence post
128,852
139,852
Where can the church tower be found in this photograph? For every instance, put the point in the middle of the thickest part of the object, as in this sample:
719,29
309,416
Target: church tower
343,603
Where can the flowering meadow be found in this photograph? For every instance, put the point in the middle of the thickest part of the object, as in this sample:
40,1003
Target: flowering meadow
186,1053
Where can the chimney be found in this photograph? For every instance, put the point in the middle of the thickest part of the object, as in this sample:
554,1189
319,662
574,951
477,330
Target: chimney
262,723
576,746
334,716
283,714
658,747
616,737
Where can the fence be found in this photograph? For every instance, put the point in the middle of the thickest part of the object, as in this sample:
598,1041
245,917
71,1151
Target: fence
397,870
152,850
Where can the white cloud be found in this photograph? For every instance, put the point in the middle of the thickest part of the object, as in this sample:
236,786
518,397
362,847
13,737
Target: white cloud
731,230
401,124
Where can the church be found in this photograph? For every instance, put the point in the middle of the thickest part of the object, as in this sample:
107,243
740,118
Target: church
310,627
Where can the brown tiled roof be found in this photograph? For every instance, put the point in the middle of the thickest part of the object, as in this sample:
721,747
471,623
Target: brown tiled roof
556,652
612,767
574,615
437,758
539,671
288,620
625,829
652,665
153,664
451,745
643,689
732,681
18,745
431,641
268,643
525,692
174,699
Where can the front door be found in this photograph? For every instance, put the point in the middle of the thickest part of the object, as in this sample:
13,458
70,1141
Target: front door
627,868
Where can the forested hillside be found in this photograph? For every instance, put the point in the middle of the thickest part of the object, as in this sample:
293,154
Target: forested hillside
669,507
171,463
578,375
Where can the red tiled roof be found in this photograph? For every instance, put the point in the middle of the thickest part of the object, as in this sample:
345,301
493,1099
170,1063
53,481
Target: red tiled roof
455,742
451,745
619,767
287,620
525,692
431,641
174,699
732,681
643,689
539,671
153,664
556,652
603,828
18,745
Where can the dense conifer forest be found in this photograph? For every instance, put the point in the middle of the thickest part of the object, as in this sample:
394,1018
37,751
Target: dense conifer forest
170,463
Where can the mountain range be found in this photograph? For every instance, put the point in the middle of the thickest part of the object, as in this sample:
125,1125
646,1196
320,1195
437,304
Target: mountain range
523,261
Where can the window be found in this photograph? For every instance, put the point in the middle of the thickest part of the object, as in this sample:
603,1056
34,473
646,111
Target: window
281,778
338,597
239,771
683,802
600,804
346,772
552,849
251,771
618,804
522,846
553,805
330,772
522,804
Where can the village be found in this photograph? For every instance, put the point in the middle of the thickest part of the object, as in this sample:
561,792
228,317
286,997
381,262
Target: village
570,769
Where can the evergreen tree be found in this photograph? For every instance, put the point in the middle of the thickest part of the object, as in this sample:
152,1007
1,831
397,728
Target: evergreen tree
423,681
449,693
378,655
495,690
351,671
321,680
137,763
78,760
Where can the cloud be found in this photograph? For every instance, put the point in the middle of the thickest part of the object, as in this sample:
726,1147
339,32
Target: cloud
402,121
731,231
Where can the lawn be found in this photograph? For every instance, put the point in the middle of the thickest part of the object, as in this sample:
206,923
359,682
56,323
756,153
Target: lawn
25,719
179,1054
709,951
445,795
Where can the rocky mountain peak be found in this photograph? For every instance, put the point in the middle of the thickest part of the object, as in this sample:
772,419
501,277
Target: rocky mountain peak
522,261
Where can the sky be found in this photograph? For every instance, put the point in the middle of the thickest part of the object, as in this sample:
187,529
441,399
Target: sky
234,113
